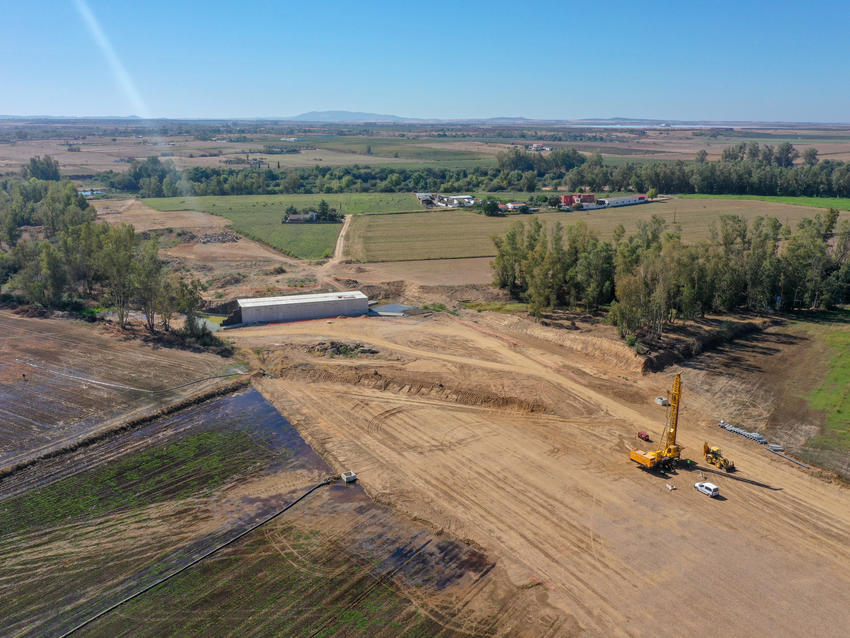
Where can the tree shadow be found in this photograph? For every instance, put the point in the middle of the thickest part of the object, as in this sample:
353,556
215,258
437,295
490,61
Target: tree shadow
822,316
741,353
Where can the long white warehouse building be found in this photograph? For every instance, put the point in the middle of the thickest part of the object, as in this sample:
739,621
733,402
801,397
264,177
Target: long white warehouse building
301,307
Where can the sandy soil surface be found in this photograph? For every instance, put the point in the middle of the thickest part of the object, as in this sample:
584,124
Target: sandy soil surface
143,217
542,479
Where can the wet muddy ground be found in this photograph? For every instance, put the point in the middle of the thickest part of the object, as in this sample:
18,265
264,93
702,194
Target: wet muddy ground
146,502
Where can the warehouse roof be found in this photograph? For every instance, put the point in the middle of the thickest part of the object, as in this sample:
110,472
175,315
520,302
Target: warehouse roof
300,299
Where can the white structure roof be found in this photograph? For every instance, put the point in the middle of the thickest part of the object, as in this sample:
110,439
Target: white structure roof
299,299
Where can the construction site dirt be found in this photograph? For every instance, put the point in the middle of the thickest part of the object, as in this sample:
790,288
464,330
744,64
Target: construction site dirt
542,480
495,496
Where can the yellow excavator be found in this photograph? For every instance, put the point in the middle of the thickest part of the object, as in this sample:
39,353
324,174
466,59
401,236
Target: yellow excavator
666,457
715,457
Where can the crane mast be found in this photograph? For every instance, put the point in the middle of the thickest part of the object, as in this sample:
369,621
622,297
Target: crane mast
668,453
669,444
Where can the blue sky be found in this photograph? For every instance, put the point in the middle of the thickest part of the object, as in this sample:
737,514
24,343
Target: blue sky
671,60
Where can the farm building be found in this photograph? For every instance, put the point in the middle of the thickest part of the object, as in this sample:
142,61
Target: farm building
301,307
301,218
629,200
578,198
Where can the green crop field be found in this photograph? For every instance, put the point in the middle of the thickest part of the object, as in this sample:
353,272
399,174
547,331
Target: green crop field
832,396
227,205
457,233
259,216
841,203
429,151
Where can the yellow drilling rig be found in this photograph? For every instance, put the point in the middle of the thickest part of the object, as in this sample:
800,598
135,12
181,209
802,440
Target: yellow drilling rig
667,456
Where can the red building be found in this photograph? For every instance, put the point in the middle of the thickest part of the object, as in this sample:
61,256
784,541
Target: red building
584,198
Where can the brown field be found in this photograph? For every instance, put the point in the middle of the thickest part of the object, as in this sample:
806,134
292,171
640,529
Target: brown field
101,154
683,144
453,234
142,217
63,380
492,431
428,272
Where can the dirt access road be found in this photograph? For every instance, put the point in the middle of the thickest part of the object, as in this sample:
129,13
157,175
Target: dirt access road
521,447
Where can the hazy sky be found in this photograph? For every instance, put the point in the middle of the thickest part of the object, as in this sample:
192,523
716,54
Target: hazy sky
718,60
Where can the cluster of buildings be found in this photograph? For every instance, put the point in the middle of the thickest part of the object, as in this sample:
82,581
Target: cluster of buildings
539,147
588,201
445,201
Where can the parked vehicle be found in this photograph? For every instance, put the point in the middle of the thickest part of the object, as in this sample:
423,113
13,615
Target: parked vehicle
644,436
709,489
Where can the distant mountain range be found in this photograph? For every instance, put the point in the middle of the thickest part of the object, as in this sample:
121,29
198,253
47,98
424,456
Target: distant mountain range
329,117
348,116
358,116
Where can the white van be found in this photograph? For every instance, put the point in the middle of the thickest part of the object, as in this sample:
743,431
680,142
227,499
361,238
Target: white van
707,488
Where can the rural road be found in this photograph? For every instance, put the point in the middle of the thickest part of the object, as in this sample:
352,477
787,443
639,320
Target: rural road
340,242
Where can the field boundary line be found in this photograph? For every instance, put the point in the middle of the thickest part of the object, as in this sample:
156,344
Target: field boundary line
182,569
84,440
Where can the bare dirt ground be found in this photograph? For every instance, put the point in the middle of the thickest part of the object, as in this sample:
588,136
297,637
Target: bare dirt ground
142,217
61,380
494,433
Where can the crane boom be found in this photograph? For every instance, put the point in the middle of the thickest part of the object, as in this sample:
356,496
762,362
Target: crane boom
668,452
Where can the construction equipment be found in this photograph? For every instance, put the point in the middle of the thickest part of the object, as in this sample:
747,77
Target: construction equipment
667,455
715,457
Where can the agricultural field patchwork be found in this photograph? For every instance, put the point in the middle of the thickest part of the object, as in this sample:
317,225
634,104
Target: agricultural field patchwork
259,217
335,562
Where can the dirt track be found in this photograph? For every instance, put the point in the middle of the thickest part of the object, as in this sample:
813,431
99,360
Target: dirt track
553,494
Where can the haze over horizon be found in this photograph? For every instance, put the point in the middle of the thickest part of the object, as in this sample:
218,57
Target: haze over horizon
541,60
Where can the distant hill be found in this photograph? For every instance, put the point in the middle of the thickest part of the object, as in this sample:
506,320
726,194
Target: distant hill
348,116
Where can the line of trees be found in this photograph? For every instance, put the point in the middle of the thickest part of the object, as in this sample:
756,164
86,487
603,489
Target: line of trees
744,169
651,277
69,261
